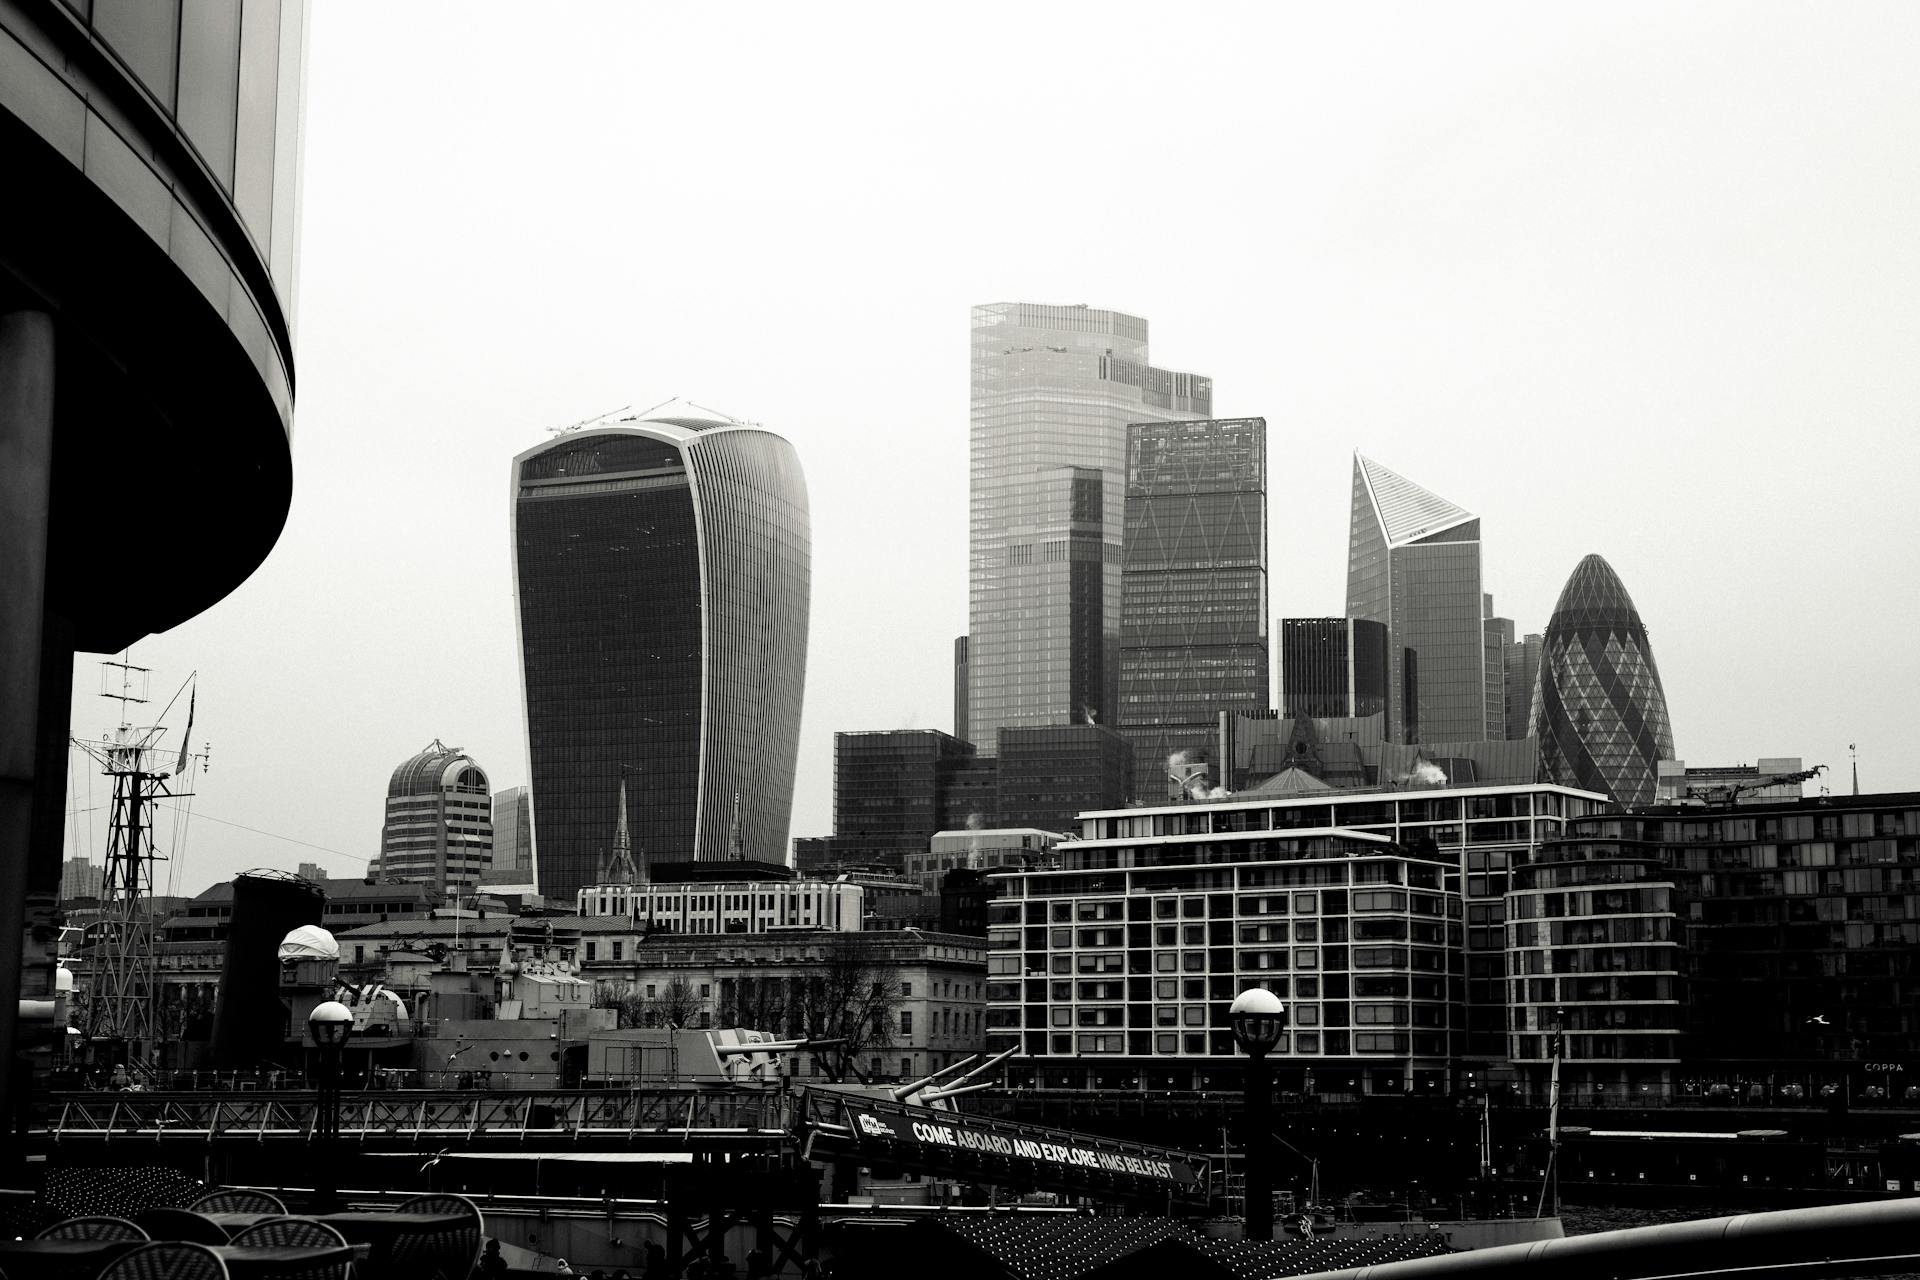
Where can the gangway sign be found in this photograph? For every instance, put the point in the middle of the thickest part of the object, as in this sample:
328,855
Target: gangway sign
834,1125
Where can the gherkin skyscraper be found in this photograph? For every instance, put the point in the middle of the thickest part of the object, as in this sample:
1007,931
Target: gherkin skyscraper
1598,710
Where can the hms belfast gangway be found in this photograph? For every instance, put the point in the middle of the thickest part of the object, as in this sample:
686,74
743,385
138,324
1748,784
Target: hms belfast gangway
652,1119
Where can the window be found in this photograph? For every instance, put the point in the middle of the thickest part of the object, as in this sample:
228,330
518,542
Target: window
592,949
906,989
649,991
706,989
616,948
906,1022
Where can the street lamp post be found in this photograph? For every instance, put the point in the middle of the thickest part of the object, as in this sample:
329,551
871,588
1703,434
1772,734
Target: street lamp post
1258,1017
330,1024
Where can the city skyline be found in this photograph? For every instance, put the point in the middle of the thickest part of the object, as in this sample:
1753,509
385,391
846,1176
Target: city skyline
1464,311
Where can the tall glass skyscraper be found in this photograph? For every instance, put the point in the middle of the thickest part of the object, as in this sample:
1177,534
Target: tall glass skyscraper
1053,389
1599,711
1332,668
1193,589
662,573
1413,562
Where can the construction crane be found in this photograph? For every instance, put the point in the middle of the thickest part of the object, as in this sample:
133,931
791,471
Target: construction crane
1729,793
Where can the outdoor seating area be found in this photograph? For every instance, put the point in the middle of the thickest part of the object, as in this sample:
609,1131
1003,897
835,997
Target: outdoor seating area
248,1235
1074,1247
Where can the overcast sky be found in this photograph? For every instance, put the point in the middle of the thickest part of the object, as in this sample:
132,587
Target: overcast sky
1635,279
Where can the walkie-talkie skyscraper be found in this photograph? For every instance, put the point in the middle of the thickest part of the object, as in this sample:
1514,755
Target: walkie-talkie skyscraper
662,572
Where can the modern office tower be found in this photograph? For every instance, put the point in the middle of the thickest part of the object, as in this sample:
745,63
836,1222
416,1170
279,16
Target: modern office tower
1048,776
1332,668
1600,715
1193,588
148,264
512,838
662,570
81,878
1413,562
311,871
439,822
1053,389
1498,636
960,688
891,785
1523,670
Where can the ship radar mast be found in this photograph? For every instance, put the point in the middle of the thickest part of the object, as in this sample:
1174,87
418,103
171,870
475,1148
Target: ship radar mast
123,1023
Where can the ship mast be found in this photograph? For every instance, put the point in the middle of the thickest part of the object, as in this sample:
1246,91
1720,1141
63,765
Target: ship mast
123,1018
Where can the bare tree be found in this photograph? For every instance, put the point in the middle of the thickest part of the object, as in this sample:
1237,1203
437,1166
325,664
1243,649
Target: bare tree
851,999
677,1005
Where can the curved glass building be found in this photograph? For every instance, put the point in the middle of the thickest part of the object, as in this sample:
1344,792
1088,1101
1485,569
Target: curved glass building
662,572
1598,710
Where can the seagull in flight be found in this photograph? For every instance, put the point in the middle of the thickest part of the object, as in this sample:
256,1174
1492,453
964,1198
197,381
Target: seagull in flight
1819,1019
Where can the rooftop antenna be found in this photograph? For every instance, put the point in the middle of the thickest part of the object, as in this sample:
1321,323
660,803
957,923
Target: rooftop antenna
734,851
586,422
738,422
1854,751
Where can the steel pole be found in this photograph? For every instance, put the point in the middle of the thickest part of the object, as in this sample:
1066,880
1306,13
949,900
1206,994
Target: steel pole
1259,1179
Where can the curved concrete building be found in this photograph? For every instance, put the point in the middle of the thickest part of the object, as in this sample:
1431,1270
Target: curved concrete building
1598,709
662,570
438,829
148,245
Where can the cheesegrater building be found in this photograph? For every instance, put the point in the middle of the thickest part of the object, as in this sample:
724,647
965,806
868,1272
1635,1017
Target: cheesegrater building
661,571
1599,710
1052,392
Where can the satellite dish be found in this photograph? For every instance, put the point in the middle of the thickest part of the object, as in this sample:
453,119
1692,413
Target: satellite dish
308,942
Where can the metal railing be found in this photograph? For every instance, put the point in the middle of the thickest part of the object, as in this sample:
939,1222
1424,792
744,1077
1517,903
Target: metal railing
558,1115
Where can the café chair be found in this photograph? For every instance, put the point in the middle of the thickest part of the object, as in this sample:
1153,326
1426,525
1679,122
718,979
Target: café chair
238,1202
94,1228
166,1260
450,1252
291,1233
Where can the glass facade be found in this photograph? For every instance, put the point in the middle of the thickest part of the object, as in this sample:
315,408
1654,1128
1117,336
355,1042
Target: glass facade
512,838
1523,672
662,578
1332,668
1193,615
1049,776
894,784
1052,392
1600,713
1413,563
